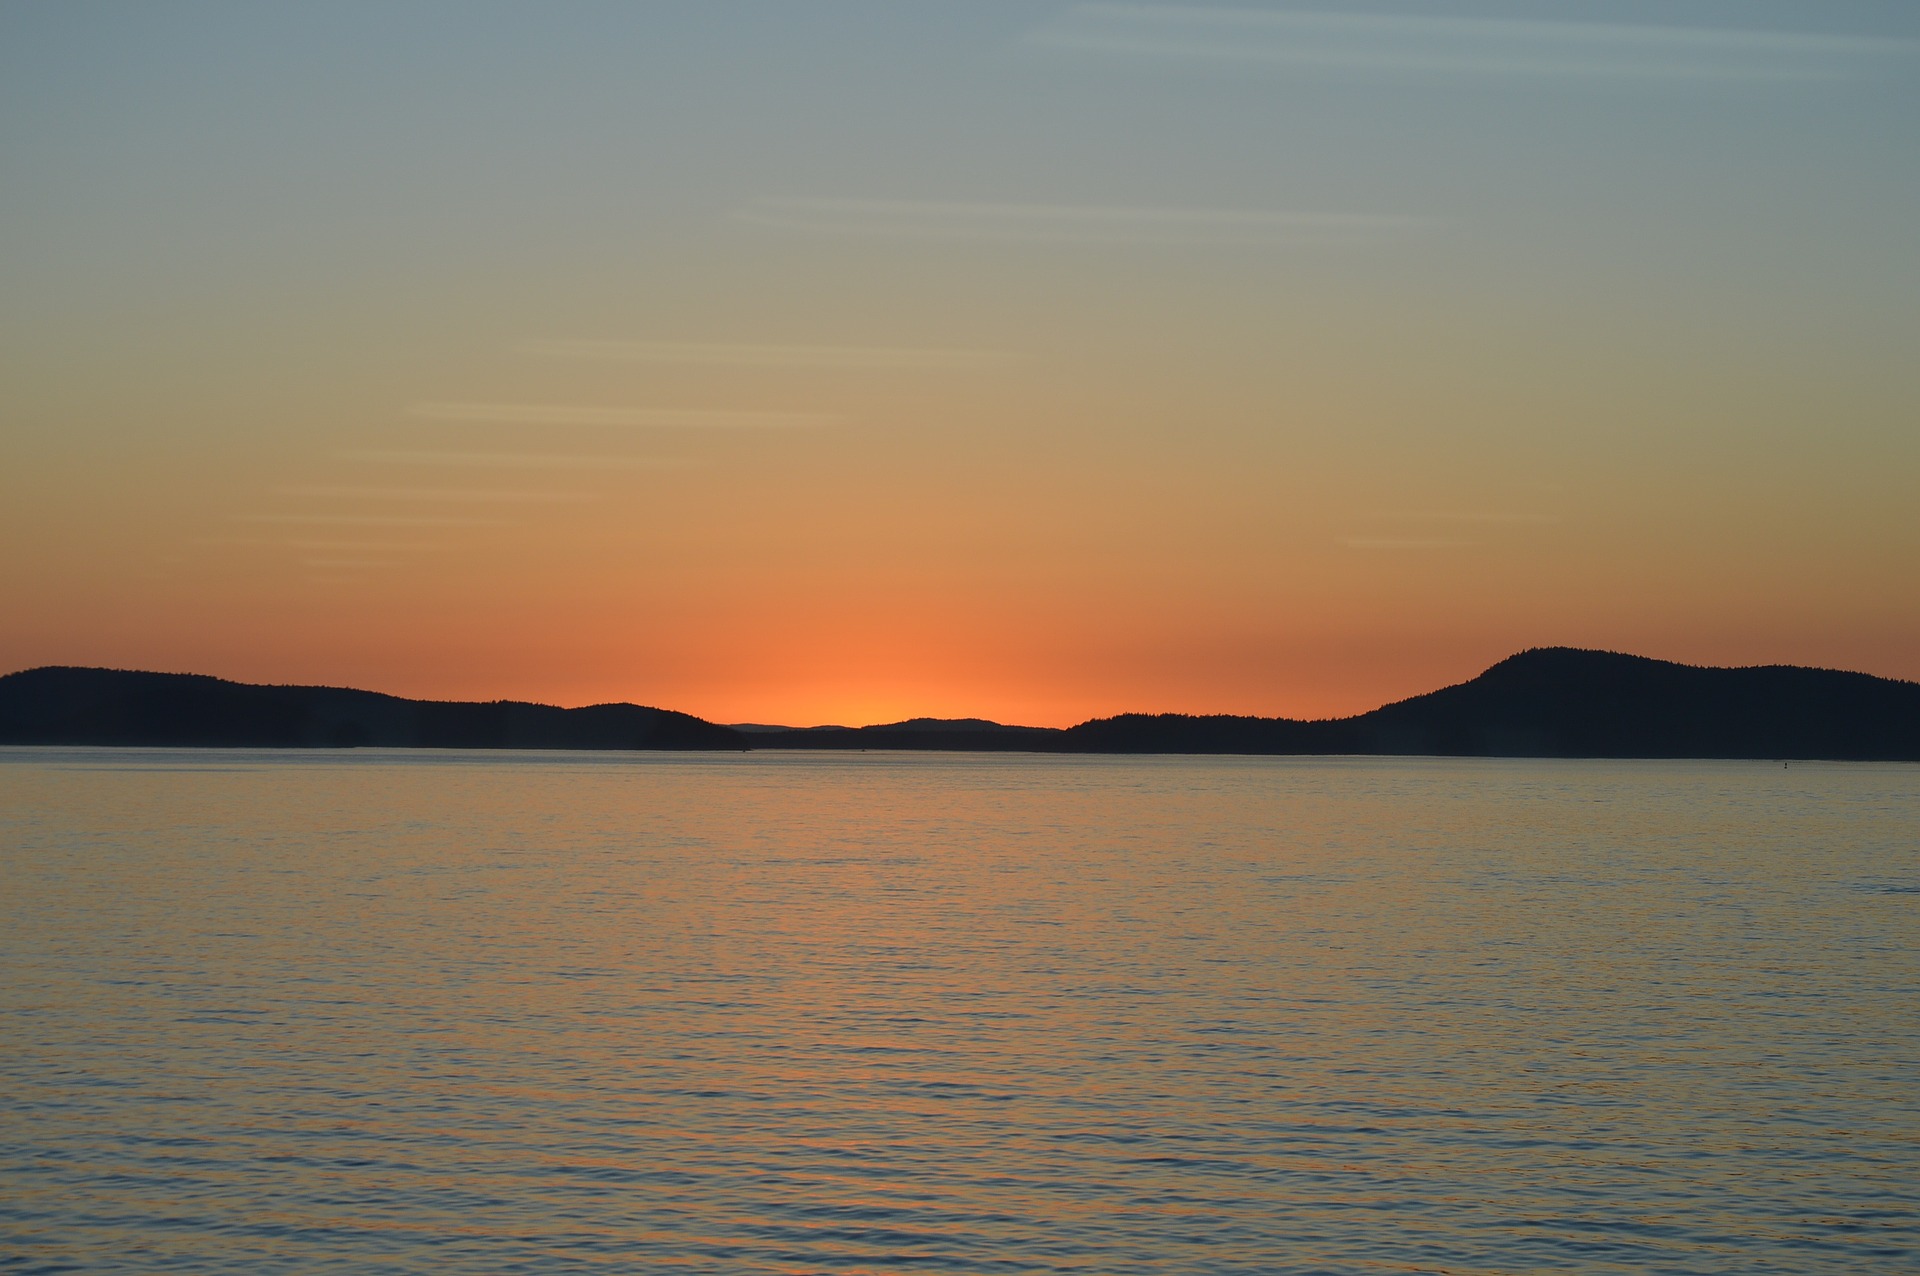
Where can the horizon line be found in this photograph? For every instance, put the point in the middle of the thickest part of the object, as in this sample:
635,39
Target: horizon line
973,723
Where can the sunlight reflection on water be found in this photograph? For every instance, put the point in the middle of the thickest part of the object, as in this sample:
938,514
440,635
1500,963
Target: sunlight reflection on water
877,1013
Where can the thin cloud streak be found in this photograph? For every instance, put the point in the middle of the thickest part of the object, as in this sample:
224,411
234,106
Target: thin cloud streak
1399,43
368,520
1071,223
1405,542
729,355
365,547
430,495
516,460
635,418
1457,516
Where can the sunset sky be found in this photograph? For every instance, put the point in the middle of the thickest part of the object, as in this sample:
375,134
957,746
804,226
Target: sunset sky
839,362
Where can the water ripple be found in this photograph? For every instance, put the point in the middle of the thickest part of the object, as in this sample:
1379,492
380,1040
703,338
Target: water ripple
873,1014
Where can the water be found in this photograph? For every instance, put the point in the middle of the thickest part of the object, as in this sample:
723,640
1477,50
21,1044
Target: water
963,1014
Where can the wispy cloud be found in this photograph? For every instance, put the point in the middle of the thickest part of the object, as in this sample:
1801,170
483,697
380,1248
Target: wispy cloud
1406,542
597,415
1072,223
516,460
431,495
1457,516
304,543
1436,529
733,355
1401,43
367,520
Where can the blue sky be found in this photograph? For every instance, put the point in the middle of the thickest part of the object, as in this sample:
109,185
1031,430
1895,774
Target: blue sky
1190,356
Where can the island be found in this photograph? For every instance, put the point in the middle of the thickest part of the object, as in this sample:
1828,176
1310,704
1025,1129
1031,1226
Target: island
1550,702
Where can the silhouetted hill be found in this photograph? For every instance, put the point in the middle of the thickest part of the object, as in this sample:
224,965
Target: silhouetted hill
1564,702
1549,702
755,727
945,724
965,735
60,705
1203,733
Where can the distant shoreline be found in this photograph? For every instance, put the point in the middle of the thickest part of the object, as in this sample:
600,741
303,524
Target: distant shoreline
1541,703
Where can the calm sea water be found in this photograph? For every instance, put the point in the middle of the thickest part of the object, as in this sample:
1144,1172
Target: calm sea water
880,1013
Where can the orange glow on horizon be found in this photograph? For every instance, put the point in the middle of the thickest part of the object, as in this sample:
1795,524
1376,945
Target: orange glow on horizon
1155,403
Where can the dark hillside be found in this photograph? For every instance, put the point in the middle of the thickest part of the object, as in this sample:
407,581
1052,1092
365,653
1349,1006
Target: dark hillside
59,705
1563,702
1549,702
1567,703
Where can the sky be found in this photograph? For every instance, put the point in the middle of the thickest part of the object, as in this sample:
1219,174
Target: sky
842,362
